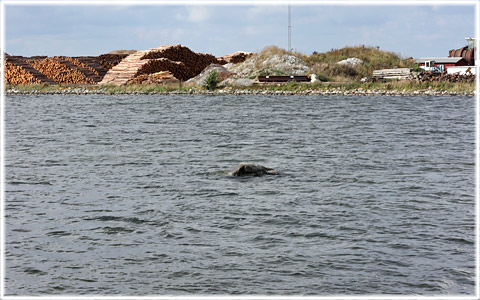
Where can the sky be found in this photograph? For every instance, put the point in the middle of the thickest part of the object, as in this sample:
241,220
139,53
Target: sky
83,30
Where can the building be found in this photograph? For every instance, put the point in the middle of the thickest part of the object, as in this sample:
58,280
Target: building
440,63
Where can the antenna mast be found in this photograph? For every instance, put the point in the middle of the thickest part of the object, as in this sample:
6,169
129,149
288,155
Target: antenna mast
289,29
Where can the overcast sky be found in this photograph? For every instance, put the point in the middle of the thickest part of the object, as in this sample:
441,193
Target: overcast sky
410,30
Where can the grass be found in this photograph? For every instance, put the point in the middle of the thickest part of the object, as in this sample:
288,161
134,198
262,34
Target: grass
405,86
326,64
107,89
326,67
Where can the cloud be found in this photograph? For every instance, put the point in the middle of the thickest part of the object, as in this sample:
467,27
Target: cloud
194,14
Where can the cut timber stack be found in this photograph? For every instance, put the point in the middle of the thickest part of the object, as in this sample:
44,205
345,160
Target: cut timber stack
164,77
21,62
177,68
59,69
127,69
74,64
108,61
94,63
58,72
17,75
400,73
235,58
177,59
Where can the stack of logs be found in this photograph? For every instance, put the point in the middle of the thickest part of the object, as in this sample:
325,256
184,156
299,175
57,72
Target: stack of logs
435,76
59,72
181,63
235,58
178,59
163,77
58,69
74,61
177,68
17,75
108,61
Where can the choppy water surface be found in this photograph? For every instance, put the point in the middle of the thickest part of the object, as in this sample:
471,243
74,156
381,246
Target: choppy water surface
128,195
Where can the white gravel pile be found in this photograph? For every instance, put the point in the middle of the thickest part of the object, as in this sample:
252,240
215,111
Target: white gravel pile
287,64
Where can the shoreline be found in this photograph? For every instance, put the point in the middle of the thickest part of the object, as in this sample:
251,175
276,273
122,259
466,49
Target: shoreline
233,91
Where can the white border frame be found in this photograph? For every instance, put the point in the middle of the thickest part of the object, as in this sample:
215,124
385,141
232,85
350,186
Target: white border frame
475,3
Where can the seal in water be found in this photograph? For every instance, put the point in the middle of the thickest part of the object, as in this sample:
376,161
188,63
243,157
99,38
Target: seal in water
252,170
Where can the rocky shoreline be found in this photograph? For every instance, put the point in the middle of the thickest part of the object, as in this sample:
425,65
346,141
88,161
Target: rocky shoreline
232,91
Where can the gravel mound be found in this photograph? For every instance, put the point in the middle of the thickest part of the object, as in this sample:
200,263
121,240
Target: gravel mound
223,74
272,65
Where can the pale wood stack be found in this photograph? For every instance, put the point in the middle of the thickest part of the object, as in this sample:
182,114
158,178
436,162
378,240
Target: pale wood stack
121,73
399,73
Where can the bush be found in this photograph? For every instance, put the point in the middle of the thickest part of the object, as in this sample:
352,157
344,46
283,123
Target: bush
211,81
416,68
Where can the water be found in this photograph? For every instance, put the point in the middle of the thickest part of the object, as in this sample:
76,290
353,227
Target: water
128,195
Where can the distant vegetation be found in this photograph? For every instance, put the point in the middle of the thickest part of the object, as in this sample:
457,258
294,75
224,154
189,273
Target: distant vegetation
324,65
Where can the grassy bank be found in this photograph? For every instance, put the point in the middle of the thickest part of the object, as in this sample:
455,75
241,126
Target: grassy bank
325,65
408,87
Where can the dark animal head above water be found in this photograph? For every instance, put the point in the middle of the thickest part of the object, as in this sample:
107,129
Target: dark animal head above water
252,170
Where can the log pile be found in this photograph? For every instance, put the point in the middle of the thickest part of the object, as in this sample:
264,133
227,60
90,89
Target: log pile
399,73
435,77
194,62
59,69
163,77
177,68
94,63
179,60
58,72
235,58
125,70
109,61
17,75
74,61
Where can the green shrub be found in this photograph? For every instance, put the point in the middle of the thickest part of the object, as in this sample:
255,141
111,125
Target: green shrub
211,81
416,68
322,78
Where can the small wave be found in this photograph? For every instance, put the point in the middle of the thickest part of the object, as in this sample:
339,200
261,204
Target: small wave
114,230
133,220
58,233
33,271
29,182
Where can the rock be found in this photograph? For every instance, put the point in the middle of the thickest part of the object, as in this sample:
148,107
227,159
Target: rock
223,74
238,82
256,65
351,61
252,170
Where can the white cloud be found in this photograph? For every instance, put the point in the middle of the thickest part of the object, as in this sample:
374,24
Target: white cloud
194,14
